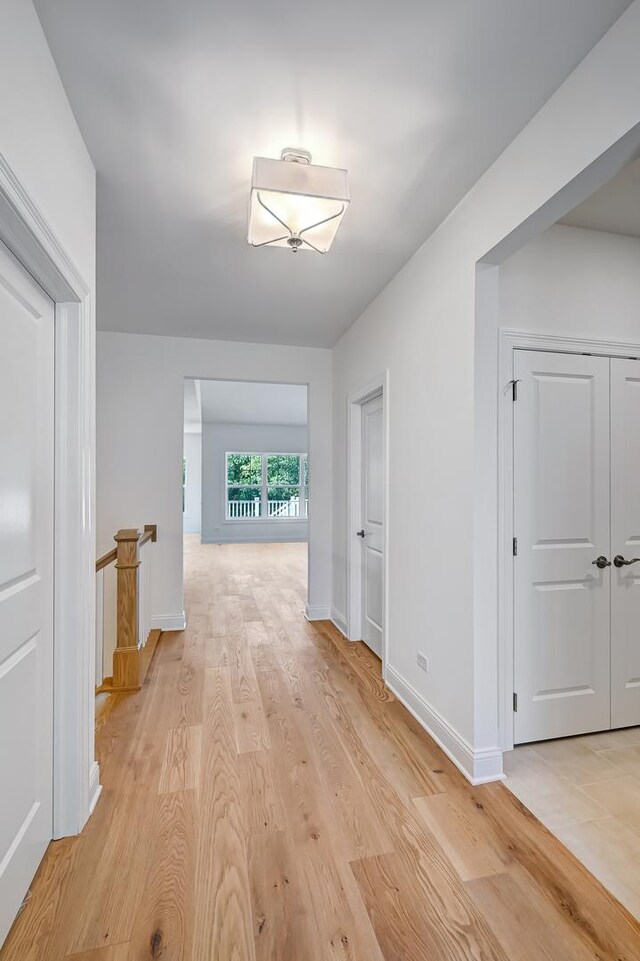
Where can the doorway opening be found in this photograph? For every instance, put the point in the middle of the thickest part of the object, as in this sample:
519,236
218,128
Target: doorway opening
368,517
569,427
246,477
569,371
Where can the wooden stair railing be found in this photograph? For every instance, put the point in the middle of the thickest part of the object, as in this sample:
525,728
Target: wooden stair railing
133,653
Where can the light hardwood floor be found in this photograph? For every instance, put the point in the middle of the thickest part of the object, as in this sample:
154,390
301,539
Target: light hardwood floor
266,798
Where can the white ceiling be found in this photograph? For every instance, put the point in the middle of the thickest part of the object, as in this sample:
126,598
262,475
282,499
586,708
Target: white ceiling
614,208
240,402
174,99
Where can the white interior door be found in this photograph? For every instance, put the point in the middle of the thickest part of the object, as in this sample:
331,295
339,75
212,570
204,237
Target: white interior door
26,581
561,521
372,532
625,542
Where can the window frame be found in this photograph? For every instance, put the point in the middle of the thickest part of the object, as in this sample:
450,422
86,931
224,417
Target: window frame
303,458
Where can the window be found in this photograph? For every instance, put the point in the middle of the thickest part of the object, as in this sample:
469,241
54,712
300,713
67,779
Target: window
244,485
268,486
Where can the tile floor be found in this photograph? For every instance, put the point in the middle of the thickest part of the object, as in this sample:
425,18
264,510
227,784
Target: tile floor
586,790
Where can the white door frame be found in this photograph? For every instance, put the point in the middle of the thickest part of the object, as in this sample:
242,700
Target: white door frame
30,238
508,341
378,385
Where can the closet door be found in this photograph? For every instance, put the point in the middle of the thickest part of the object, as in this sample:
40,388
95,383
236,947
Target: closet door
625,542
561,521
372,524
26,581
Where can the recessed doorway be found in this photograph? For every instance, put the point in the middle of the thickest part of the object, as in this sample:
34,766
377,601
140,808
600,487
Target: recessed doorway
246,473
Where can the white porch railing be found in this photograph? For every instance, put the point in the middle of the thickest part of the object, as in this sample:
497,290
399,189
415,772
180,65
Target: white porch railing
244,508
290,508
247,509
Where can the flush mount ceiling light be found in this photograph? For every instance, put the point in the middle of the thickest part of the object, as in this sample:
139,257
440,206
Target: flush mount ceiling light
295,203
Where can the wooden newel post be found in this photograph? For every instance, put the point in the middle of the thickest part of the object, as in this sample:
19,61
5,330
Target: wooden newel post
126,657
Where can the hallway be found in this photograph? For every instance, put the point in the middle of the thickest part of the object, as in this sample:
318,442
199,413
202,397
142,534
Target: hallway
265,797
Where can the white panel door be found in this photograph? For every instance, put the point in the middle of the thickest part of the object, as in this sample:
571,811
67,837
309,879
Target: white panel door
561,520
26,581
372,524
625,542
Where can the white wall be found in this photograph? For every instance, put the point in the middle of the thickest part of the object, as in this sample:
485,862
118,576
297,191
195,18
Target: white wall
217,439
41,147
140,439
39,137
192,451
434,328
574,281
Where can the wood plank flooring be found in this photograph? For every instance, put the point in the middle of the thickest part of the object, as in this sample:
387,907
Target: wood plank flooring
267,799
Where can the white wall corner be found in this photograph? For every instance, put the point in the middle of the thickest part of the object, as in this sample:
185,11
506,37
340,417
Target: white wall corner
317,613
339,621
170,622
479,767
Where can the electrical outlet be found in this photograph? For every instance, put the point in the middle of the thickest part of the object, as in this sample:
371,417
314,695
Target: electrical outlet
423,661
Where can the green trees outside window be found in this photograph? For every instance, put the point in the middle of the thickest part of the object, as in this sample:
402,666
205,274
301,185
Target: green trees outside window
267,485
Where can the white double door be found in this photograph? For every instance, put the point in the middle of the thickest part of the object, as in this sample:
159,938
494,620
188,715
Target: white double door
26,581
577,524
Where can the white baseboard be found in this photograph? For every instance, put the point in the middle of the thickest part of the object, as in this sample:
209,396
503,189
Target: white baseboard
318,613
479,767
339,621
95,788
170,622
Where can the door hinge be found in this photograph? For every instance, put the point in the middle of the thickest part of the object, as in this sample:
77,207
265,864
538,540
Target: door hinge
515,546
514,389
515,701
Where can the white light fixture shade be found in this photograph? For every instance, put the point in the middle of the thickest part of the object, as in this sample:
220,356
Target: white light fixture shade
296,204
